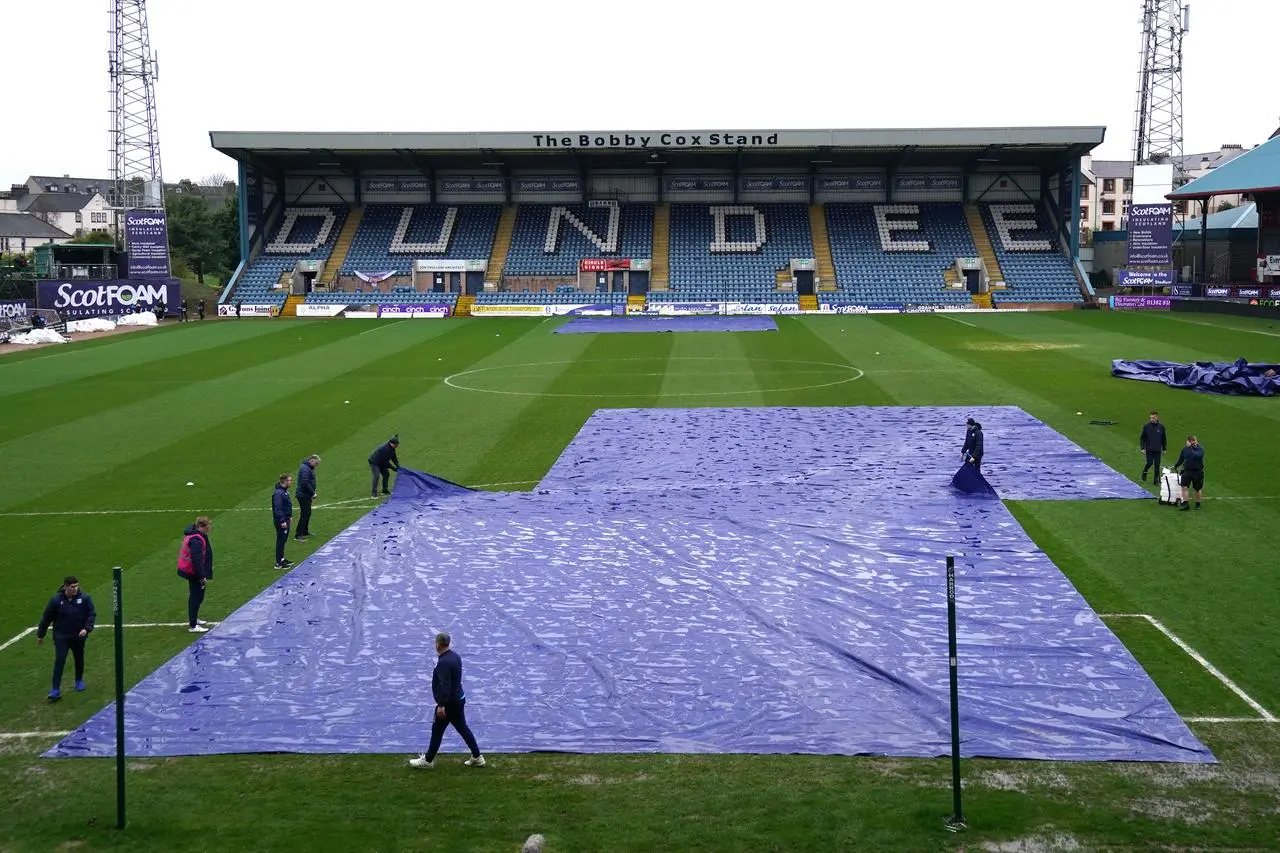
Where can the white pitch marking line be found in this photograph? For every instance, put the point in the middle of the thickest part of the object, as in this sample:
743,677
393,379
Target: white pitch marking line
1223,328
163,511
1265,715
958,320
28,632
8,643
17,735
1227,720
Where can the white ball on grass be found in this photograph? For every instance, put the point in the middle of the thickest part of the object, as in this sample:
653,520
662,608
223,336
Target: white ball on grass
190,484
1079,413
345,402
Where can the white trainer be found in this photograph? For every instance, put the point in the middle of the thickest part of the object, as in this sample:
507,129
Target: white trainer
198,629
420,761
478,761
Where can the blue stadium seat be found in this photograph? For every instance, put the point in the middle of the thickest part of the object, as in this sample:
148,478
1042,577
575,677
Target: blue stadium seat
468,231
876,263
733,253
541,248
1034,267
301,235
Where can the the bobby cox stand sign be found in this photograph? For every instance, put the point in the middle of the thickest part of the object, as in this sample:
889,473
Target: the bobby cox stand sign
1150,235
147,236
107,298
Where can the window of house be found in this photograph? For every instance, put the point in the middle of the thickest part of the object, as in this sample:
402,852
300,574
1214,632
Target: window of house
79,217
1108,226
1108,208
1084,214
1109,185
1084,192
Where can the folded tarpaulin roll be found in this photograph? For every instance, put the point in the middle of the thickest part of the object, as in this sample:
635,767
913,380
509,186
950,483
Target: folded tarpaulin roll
1238,377
970,481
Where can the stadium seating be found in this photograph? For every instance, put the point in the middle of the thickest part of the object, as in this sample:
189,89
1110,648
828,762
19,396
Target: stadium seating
1034,267
731,252
392,236
881,259
305,233
395,297
563,297
550,240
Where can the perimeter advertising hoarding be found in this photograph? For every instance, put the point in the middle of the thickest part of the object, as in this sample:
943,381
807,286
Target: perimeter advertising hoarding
95,298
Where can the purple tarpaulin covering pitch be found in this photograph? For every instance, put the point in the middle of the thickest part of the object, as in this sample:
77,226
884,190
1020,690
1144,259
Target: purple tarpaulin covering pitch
771,582
599,325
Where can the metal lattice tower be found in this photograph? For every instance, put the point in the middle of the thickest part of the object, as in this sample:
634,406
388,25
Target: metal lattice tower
1157,125
136,177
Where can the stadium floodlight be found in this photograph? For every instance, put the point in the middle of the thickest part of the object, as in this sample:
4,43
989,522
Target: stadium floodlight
136,177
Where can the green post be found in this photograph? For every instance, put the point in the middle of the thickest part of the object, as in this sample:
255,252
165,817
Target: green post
117,607
956,822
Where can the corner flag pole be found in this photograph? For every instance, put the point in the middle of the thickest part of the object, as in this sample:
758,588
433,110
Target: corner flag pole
956,822
117,607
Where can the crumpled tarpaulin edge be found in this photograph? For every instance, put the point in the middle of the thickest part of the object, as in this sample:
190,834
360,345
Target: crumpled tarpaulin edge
1208,377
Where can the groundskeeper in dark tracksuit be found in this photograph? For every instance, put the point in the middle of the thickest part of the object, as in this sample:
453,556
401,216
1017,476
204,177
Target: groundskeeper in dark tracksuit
973,444
72,615
282,515
381,463
305,493
1191,463
1153,441
450,706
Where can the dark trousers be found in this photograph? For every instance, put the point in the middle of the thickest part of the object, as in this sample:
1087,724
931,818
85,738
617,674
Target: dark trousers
195,597
385,474
304,518
976,462
282,538
1153,458
455,715
61,645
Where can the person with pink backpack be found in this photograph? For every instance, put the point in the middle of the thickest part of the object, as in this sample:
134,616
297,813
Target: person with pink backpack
195,565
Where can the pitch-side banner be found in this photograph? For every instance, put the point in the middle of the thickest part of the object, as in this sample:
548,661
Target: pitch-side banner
14,309
90,298
687,309
147,236
1145,278
1141,302
1150,235
424,310
226,310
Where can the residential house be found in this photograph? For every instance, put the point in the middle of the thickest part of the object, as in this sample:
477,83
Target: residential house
22,232
73,213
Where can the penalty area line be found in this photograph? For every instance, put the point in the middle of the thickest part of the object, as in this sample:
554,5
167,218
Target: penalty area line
28,632
958,320
1263,714
20,735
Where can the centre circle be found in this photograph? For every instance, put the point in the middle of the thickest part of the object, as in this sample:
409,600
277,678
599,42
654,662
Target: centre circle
465,380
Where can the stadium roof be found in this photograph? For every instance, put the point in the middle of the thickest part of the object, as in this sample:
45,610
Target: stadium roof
1039,147
1252,172
1244,218
25,225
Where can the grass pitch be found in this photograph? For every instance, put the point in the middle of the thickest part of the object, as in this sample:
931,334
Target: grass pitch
98,441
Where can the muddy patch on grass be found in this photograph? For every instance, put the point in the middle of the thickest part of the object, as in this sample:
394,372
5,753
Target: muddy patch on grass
1005,780
1055,843
1018,346
1190,813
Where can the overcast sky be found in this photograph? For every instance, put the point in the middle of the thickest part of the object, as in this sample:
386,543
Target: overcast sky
405,65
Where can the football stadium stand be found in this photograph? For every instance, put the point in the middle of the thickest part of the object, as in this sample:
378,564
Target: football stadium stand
880,218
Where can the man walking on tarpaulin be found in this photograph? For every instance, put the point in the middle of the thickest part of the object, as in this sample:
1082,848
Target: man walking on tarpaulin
973,444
